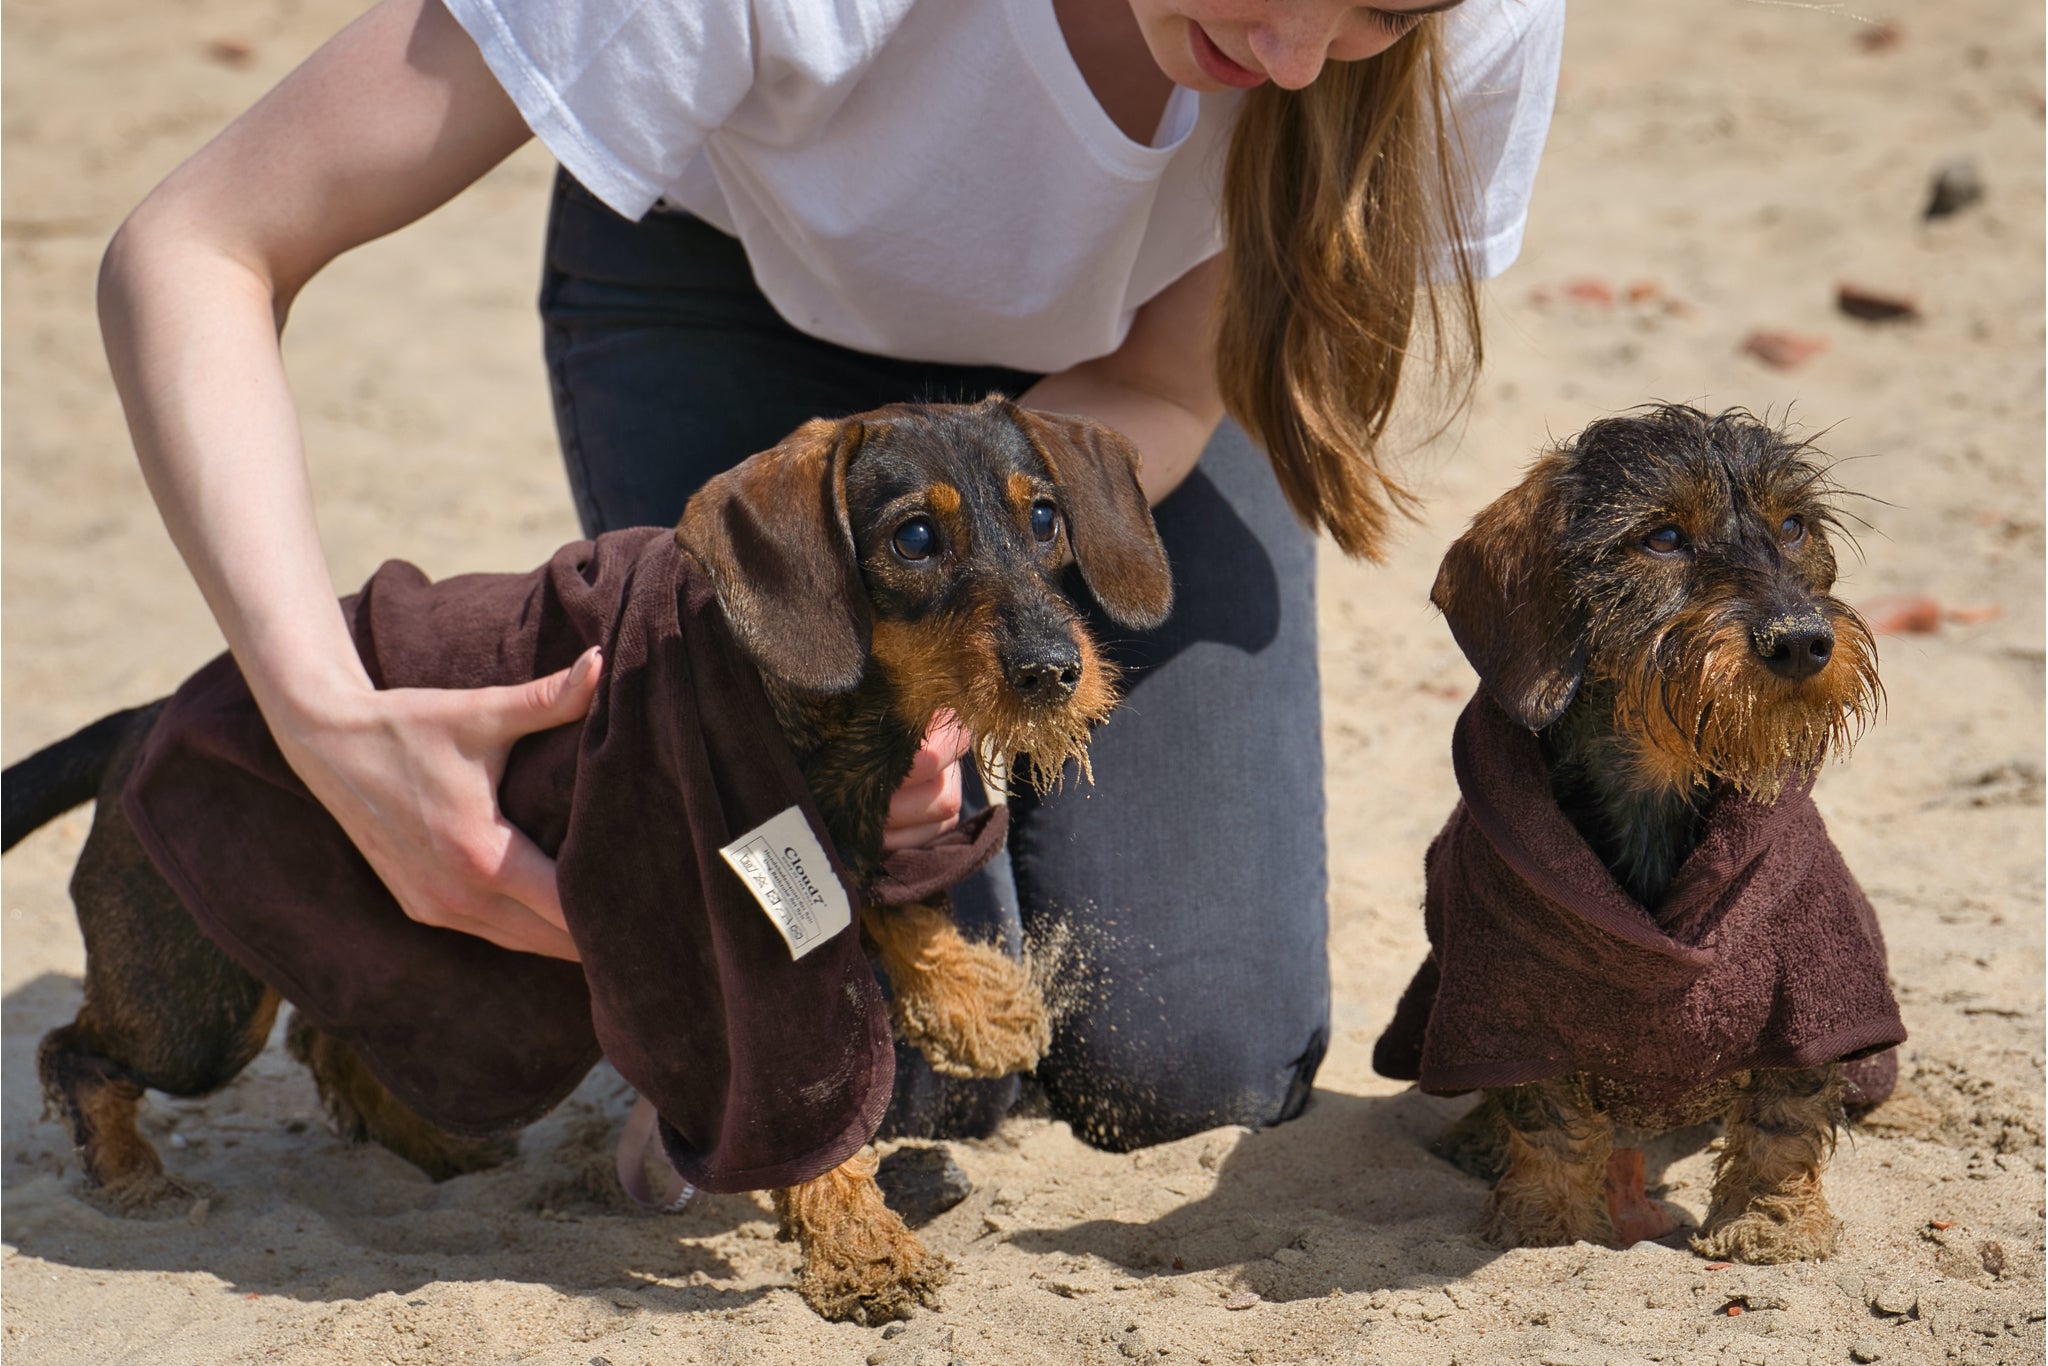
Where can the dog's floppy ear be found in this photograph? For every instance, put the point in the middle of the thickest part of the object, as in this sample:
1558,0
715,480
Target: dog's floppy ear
773,535
1108,522
1503,593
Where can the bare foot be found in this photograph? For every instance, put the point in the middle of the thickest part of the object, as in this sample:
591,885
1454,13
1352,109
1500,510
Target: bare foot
1637,1218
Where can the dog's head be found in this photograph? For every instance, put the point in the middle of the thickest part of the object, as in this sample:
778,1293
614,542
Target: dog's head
1684,560
931,545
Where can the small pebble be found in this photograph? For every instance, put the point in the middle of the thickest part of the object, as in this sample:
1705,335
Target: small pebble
234,53
1992,1255
1875,306
1955,186
1243,1299
1900,1297
1863,1349
1908,614
921,1183
1783,350
1589,289
895,1330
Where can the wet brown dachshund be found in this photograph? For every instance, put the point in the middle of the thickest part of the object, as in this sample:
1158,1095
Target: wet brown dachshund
1653,602
937,575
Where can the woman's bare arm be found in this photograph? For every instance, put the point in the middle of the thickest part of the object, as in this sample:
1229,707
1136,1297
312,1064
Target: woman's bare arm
1159,387
388,120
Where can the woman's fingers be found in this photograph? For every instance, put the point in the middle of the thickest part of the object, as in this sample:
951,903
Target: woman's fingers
927,805
920,814
503,715
412,777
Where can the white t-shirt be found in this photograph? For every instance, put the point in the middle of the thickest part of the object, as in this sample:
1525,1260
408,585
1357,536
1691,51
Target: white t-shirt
932,179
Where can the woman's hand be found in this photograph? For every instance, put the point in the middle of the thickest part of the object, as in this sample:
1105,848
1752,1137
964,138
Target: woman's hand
412,776
927,805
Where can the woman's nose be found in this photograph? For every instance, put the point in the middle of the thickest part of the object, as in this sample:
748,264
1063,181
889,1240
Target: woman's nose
1291,54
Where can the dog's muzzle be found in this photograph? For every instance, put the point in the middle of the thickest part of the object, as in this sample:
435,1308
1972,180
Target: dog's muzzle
1044,673
1794,646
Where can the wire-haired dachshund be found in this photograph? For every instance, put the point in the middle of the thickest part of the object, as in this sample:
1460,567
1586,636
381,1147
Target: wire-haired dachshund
1635,915
877,571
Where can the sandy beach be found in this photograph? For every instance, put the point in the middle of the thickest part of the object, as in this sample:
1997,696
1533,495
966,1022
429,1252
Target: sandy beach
1714,171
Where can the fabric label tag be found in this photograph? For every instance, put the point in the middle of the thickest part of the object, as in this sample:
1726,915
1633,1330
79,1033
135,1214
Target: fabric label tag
787,870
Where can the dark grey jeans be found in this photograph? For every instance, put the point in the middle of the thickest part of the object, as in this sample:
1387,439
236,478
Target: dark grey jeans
1183,895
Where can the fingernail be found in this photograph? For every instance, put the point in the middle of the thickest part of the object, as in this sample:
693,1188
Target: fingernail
585,665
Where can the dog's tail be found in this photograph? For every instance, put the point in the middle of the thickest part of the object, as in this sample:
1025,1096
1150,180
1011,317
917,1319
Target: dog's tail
58,777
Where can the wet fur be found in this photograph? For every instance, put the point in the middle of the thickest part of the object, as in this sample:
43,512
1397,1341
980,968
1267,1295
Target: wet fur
855,664
1645,677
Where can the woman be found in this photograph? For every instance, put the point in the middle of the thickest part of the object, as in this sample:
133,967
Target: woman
765,218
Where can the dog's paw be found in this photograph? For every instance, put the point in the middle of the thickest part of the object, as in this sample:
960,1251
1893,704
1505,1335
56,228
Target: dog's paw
983,1017
872,1279
148,1195
1771,1231
1523,1213
1476,1142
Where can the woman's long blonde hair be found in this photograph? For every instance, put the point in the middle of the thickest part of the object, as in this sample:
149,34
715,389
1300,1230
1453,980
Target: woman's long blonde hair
1345,214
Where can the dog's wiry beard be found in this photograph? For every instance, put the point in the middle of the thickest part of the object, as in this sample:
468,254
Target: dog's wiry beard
1012,735
1705,708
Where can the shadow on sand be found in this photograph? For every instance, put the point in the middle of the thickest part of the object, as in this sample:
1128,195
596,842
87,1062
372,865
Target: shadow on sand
284,1207
1346,1198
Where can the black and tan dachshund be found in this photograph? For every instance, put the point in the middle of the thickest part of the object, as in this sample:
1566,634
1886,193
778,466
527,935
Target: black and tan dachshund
946,568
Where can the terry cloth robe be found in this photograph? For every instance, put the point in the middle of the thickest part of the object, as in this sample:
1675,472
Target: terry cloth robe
1764,953
766,1071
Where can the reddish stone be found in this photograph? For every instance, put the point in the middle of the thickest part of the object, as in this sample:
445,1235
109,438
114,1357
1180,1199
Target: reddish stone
1783,350
1908,614
231,52
1590,289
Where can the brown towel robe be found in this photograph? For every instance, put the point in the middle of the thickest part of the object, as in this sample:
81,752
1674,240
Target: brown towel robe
765,1071
1764,953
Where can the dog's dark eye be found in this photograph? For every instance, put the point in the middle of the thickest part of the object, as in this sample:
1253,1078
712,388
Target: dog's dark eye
916,539
1665,540
1792,530
1045,520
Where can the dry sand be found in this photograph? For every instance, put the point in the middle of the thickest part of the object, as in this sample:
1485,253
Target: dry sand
1740,157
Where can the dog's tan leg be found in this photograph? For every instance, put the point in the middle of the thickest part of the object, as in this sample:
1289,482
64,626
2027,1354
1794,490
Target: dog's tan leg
969,1008
1554,1188
164,1008
1768,1205
363,1109
860,1262
98,1100
1476,1142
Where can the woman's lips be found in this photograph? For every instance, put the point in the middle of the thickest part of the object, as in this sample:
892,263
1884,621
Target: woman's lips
1218,67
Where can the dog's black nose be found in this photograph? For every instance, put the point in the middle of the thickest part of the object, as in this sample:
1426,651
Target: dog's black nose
1045,675
1794,647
